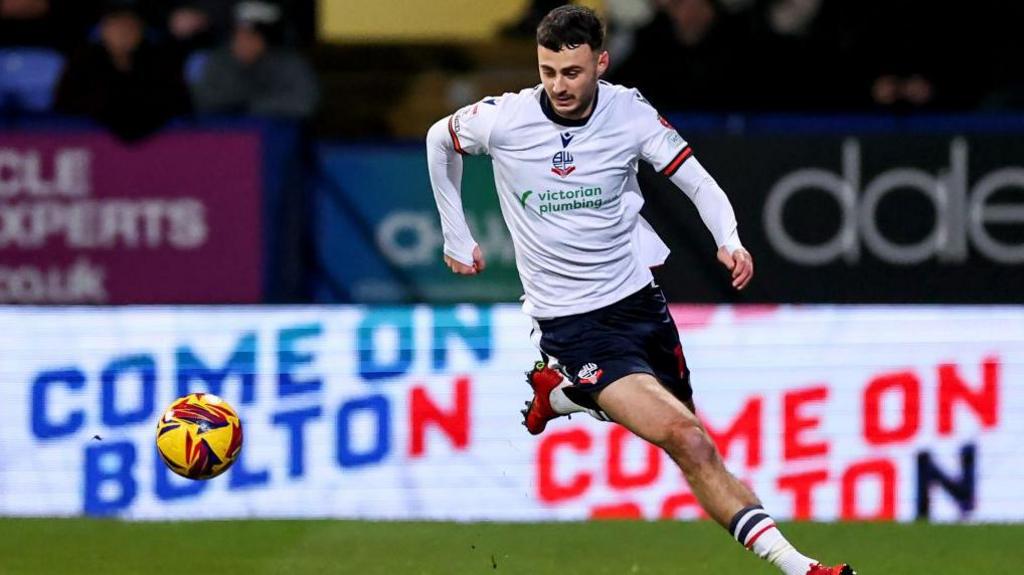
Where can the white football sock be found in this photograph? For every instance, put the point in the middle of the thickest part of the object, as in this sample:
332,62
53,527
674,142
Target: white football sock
756,530
561,403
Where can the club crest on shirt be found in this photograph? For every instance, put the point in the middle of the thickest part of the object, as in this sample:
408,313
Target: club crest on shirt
561,164
589,374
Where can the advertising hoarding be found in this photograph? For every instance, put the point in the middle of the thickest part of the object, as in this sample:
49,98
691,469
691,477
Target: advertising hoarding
830,413
88,219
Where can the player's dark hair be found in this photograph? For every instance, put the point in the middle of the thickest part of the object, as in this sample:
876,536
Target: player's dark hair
571,26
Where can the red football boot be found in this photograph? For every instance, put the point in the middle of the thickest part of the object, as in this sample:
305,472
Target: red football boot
820,569
538,412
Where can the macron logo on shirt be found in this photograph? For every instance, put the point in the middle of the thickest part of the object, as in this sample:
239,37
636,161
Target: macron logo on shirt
566,138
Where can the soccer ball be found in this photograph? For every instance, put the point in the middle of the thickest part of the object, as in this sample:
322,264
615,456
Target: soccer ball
199,436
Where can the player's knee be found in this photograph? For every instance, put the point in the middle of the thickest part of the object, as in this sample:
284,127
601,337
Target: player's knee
687,441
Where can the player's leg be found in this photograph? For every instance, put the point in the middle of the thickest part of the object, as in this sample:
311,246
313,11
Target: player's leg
645,407
641,404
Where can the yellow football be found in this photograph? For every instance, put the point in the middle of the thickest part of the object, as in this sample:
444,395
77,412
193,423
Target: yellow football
199,436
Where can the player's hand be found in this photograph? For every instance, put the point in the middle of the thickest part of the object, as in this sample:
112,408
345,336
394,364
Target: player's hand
740,264
462,269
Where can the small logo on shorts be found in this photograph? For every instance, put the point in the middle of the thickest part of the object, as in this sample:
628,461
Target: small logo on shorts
589,374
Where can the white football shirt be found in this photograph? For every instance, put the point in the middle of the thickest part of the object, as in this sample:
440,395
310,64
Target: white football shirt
568,192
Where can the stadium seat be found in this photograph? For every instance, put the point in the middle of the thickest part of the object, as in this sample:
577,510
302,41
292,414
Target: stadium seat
28,77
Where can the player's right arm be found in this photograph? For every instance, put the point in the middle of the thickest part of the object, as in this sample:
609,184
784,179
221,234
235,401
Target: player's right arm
467,131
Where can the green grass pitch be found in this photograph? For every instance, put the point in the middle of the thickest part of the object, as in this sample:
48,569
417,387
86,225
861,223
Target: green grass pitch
106,547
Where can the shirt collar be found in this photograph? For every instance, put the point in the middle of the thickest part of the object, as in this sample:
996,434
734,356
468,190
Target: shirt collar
549,111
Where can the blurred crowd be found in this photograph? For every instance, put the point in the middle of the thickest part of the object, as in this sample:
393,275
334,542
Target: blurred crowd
814,55
132,65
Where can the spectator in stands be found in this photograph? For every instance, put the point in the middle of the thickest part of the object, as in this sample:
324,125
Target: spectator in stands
256,75
623,18
196,24
59,24
25,22
799,64
912,56
691,56
124,81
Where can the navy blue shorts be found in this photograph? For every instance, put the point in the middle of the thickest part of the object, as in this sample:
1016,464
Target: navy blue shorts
633,335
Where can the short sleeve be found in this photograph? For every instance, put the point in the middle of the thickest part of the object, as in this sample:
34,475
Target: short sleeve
470,127
660,143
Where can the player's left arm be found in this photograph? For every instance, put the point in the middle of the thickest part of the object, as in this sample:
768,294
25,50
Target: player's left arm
672,156
717,213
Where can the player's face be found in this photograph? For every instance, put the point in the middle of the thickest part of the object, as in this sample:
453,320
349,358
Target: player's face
570,78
